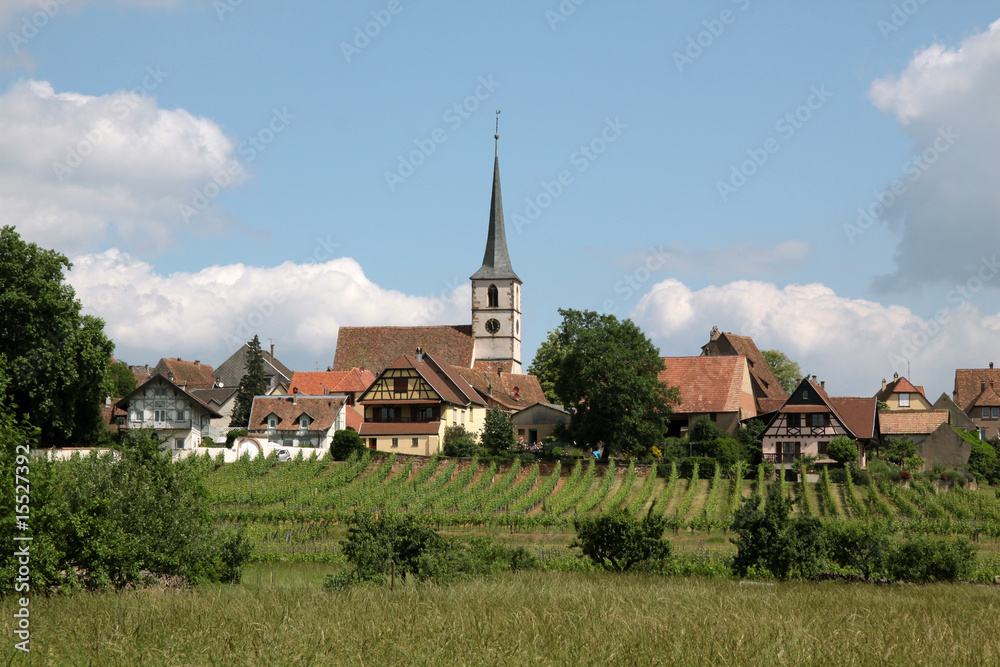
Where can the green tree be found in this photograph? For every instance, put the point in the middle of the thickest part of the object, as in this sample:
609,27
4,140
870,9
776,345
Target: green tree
610,377
900,449
56,356
345,443
704,430
498,432
547,364
459,442
252,384
377,544
617,540
119,380
771,539
864,545
99,522
842,449
785,370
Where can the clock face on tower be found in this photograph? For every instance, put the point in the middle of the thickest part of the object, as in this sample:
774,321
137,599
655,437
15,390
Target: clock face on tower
492,326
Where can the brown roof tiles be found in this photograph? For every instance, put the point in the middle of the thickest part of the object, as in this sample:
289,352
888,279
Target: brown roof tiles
189,374
911,422
322,411
375,348
709,384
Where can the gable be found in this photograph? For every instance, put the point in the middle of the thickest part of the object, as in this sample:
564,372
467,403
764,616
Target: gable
400,384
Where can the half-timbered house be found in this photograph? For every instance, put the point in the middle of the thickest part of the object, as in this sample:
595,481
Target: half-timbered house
811,418
413,400
295,420
174,415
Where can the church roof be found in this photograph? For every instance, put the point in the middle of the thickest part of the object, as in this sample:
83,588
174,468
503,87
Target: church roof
496,261
375,348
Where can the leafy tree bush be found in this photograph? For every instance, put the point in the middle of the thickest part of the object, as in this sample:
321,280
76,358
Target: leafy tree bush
235,433
787,372
982,459
345,443
56,357
925,559
864,545
704,430
706,467
899,449
119,380
459,442
770,539
618,541
498,432
842,449
609,373
105,520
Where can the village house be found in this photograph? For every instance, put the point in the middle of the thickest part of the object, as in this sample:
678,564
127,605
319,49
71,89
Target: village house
717,387
976,395
351,383
295,420
810,419
173,414
767,391
411,403
276,374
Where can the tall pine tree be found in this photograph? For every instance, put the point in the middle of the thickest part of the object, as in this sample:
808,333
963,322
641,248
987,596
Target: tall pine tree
252,384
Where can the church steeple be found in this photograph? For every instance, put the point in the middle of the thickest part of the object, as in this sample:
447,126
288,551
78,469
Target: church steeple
496,294
496,261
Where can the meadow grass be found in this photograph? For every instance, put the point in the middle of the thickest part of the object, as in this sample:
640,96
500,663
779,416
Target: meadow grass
281,615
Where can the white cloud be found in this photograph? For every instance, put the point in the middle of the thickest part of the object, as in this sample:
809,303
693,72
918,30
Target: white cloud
850,343
78,169
946,100
206,315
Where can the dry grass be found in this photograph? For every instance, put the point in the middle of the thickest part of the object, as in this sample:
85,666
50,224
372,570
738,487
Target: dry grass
547,618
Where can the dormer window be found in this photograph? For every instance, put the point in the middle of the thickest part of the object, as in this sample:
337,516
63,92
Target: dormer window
492,297
272,422
303,422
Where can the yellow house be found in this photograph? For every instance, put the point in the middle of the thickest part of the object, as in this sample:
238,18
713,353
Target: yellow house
411,403
900,394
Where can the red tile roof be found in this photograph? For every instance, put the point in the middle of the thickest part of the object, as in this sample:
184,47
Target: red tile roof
911,422
189,374
857,413
512,391
443,378
766,385
987,398
971,382
709,384
899,386
375,348
353,418
322,410
320,383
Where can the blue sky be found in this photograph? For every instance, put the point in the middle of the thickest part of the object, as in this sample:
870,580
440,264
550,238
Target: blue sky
215,168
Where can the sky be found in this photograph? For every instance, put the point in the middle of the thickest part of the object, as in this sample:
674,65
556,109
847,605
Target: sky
820,176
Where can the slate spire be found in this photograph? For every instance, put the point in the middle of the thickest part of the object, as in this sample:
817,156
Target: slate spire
496,261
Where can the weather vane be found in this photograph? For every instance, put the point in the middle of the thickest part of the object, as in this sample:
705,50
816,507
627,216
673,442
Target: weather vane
496,137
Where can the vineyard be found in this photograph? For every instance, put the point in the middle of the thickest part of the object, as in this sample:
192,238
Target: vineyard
296,510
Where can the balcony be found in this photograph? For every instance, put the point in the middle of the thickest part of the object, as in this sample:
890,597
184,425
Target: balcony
781,457
161,425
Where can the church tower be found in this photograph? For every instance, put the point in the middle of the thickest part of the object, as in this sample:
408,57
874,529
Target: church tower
496,294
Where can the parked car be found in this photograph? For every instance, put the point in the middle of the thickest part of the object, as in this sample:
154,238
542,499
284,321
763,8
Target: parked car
284,455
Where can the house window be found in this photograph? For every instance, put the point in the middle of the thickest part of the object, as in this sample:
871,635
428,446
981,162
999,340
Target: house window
272,423
995,413
818,420
794,420
463,417
159,411
454,416
395,442
904,400
982,434
986,413
399,385
303,422
416,442
821,448
387,414
805,393
492,297
520,431
425,414
373,442
178,443
712,416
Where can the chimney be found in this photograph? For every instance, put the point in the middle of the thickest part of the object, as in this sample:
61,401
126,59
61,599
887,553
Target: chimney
714,335
822,384
197,362
883,384
991,364
895,376
272,350
420,354
814,378
295,395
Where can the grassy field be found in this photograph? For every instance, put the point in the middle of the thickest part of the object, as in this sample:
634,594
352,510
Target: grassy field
281,615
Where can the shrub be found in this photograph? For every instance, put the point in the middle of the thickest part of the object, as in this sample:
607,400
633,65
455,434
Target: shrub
345,443
375,544
618,541
842,449
706,467
982,459
864,545
459,442
770,539
235,433
704,430
900,449
925,559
